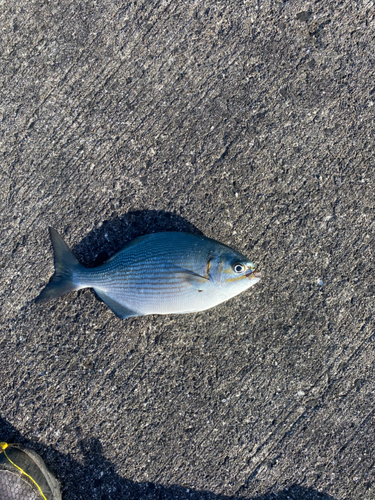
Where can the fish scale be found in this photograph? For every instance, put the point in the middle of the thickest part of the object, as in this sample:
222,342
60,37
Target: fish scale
159,273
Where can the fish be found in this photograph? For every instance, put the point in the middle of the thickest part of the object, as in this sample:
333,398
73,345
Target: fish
158,273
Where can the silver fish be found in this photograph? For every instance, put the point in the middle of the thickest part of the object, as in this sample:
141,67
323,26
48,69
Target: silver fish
160,273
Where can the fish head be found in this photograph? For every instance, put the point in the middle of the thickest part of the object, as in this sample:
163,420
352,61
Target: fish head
232,272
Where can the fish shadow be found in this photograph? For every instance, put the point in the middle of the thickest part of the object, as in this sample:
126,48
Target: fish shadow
104,241
96,478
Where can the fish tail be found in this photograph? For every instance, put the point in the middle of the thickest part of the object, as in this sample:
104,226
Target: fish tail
66,266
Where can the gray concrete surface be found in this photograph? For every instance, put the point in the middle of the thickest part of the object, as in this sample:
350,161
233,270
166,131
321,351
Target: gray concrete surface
252,122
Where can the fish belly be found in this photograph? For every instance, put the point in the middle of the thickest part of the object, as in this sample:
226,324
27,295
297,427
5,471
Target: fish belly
170,300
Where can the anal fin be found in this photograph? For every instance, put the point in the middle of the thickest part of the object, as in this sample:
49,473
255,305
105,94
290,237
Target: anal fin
120,310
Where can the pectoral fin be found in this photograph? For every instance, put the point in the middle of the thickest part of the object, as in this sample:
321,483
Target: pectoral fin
120,310
192,278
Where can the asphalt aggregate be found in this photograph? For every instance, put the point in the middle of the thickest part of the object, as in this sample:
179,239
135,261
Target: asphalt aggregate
251,122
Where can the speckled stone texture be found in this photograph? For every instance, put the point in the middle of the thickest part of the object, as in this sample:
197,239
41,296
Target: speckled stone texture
253,123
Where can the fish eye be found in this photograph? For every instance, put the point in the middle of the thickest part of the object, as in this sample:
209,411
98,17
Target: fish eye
238,267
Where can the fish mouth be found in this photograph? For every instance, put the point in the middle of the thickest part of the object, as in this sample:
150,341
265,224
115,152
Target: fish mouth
254,273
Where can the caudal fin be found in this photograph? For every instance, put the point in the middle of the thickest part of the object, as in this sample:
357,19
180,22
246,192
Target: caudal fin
66,264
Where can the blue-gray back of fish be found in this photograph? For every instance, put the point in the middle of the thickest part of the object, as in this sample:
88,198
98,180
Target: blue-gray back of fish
160,273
